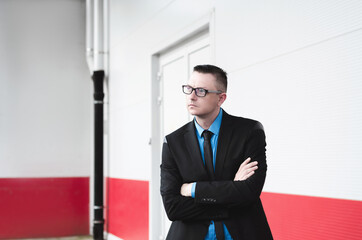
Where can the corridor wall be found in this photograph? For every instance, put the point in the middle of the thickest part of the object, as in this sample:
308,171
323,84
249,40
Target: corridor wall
293,65
45,119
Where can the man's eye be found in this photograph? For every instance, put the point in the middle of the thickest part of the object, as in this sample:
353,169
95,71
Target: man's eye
201,90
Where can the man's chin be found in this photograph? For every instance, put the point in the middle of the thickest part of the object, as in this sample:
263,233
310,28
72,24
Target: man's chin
192,111
196,113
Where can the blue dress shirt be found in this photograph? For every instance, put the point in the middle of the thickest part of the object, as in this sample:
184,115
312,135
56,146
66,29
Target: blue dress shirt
215,129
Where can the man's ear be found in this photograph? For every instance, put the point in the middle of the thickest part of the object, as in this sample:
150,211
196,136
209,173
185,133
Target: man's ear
222,98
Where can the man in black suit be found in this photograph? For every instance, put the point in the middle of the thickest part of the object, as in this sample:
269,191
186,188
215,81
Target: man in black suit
213,168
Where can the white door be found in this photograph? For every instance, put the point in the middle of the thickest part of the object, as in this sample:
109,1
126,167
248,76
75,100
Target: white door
175,68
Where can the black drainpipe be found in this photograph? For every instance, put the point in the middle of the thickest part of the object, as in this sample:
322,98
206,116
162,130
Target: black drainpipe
98,222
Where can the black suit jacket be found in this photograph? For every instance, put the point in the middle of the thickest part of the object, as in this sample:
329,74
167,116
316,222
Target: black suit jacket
236,203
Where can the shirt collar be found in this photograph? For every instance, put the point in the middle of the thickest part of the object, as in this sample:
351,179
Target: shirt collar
214,128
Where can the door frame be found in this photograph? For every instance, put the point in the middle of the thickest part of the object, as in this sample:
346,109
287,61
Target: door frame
205,24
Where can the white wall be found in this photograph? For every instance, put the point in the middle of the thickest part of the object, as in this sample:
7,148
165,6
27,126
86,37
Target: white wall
292,65
45,96
296,68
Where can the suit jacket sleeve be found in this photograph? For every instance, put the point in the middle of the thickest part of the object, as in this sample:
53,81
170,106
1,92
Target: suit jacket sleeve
177,206
239,193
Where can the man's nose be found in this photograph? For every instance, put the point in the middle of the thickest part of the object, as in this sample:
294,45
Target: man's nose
193,95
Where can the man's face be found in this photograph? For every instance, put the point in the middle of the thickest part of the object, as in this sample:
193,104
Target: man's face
208,105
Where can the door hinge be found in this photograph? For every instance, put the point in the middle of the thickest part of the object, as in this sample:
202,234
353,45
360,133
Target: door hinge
159,101
159,76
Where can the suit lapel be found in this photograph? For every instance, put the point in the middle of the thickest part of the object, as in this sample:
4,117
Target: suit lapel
223,144
224,139
192,145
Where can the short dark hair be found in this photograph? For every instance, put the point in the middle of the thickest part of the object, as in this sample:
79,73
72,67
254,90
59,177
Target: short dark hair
218,73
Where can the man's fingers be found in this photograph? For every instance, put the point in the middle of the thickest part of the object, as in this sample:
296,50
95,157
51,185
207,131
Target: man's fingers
246,170
252,169
244,176
245,163
249,170
251,165
249,175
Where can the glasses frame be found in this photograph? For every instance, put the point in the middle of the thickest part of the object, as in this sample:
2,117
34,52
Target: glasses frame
197,91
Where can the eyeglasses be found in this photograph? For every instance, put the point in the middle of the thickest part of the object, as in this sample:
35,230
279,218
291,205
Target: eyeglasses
200,92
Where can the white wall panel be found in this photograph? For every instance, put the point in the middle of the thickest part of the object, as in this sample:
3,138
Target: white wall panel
129,146
148,22
128,16
258,30
130,116
295,67
45,114
310,104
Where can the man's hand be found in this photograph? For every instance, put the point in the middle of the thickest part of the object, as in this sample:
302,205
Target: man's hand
186,189
246,170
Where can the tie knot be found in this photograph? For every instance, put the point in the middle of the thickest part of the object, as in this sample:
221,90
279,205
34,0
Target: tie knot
207,135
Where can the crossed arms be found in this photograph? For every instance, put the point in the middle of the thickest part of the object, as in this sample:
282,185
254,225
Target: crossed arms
246,170
214,199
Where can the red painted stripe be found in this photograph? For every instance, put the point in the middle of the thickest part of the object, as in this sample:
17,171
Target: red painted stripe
128,211
312,218
44,207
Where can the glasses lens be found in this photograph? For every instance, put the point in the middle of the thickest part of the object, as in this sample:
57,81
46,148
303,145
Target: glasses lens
200,92
187,89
